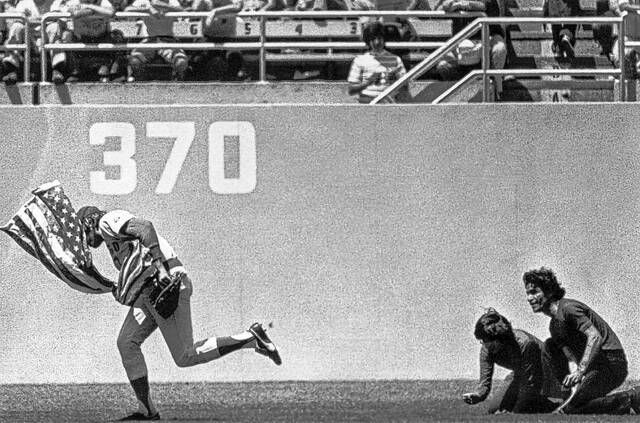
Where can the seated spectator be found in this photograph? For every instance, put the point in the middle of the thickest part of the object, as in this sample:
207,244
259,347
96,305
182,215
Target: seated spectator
564,35
33,9
90,20
159,29
632,33
469,53
227,65
373,72
356,5
422,5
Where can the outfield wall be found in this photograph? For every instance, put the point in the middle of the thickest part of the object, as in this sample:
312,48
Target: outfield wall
372,236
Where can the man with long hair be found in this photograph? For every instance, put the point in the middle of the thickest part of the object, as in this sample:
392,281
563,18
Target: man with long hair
581,337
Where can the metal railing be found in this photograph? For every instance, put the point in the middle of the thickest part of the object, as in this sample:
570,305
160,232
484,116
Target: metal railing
261,45
482,24
26,46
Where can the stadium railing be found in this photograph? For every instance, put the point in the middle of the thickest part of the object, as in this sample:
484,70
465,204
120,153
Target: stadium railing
259,37
25,47
482,25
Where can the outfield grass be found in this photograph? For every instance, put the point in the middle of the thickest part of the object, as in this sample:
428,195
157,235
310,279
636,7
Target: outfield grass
341,401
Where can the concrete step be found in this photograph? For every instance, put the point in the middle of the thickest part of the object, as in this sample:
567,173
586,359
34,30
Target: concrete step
525,47
558,91
584,32
586,5
549,62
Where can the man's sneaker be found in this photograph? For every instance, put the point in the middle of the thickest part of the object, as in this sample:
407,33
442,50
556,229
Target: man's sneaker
57,77
10,73
634,393
566,47
140,417
264,344
10,78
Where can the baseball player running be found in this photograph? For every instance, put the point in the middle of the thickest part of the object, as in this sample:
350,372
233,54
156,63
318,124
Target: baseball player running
125,237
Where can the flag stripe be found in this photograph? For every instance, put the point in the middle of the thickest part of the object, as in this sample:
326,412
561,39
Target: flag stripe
26,232
63,260
11,230
47,228
65,275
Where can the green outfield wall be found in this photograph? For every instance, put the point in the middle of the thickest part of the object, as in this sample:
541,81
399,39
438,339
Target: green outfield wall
372,237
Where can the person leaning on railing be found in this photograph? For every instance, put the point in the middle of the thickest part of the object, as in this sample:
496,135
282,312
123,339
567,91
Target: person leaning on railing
226,65
33,9
468,55
91,25
374,71
159,30
632,33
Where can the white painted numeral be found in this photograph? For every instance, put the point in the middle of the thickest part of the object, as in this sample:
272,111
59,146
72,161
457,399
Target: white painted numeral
122,158
246,133
184,133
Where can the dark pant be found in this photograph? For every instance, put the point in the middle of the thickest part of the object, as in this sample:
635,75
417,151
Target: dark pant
511,397
607,371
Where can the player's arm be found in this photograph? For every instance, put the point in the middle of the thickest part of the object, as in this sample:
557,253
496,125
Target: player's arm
144,231
486,375
591,349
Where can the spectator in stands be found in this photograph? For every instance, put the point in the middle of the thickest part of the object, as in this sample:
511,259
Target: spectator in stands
357,5
90,20
564,35
373,72
603,33
469,53
632,33
159,29
227,65
421,5
33,9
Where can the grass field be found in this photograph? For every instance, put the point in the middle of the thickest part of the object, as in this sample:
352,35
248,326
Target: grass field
353,401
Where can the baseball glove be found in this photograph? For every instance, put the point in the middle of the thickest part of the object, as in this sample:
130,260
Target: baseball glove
164,296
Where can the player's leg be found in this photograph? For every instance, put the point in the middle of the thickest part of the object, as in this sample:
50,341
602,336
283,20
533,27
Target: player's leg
603,376
178,334
137,327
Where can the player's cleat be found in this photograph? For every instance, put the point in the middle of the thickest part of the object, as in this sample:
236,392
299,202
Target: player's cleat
264,344
140,417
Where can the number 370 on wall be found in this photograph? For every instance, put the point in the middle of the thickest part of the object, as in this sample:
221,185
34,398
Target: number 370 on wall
183,134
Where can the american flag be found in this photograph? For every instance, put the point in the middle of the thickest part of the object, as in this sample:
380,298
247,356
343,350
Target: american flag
47,227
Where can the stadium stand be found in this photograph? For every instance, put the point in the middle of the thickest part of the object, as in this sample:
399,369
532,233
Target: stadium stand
318,48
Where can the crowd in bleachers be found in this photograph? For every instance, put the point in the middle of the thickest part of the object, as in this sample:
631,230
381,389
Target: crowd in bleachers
93,21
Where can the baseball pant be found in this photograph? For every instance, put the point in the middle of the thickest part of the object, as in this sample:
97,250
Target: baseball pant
177,331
